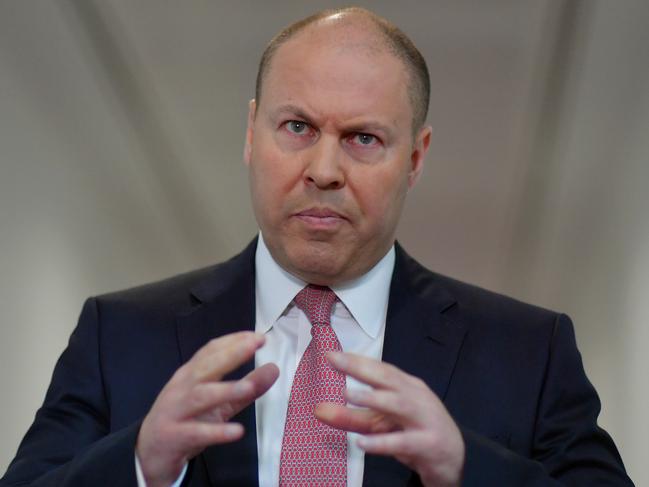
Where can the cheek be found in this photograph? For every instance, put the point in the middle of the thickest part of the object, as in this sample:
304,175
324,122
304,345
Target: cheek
380,196
273,177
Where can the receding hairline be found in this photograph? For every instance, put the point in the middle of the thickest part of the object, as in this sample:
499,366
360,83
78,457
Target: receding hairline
391,38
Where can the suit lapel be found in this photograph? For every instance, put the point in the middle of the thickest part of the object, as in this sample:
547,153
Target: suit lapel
225,303
421,341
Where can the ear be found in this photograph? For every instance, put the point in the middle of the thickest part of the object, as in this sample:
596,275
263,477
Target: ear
250,130
419,149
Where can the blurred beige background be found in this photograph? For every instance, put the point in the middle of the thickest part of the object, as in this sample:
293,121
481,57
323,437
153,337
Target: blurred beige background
121,131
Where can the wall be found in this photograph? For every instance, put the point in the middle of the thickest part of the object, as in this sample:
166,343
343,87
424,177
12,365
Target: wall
121,133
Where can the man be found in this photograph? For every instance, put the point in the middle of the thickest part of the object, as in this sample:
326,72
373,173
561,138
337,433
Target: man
446,384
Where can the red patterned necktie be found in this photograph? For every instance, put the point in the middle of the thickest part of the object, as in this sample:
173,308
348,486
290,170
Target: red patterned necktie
314,454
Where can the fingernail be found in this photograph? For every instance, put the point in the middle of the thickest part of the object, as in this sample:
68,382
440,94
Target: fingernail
363,442
232,429
242,388
256,338
336,358
353,395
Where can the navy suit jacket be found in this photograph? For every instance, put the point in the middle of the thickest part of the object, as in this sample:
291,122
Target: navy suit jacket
509,373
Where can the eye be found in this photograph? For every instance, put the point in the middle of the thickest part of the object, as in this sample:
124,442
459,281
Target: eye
364,140
297,127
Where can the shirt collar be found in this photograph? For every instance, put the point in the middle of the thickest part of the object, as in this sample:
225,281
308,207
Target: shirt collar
366,297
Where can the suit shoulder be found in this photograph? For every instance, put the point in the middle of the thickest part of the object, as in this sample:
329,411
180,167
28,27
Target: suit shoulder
490,302
477,307
494,319
174,291
186,288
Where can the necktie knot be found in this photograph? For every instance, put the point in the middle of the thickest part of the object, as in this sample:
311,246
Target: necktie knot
317,304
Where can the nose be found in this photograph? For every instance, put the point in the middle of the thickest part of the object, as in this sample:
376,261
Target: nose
324,168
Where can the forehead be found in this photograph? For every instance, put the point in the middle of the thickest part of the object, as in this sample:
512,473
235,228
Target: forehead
347,69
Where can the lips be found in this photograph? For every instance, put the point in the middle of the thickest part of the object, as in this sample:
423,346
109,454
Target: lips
320,218
320,213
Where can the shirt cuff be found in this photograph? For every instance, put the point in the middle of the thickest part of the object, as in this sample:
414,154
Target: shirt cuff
140,476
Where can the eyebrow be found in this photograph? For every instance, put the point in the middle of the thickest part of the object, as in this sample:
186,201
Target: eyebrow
293,110
370,127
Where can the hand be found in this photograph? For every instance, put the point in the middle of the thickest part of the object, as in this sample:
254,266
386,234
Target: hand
192,410
402,418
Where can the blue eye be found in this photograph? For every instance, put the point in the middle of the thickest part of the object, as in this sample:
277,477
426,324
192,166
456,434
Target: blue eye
296,126
362,139
365,139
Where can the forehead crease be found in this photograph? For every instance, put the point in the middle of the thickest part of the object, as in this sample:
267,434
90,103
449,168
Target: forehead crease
323,105
347,77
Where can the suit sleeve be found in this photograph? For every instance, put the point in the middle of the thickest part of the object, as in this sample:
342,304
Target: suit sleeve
70,442
569,448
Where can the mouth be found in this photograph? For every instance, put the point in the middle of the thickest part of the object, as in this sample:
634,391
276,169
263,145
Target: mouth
320,218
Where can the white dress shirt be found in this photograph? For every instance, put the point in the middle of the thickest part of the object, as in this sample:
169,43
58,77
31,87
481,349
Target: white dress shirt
359,322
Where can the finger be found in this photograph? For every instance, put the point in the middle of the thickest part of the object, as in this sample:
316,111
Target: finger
260,379
223,355
206,396
369,371
195,436
219,401
396,444
175,443
361,421
403,409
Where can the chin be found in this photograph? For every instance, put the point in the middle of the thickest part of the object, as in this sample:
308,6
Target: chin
317,265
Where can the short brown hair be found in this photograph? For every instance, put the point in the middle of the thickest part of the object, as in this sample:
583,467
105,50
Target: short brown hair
396,41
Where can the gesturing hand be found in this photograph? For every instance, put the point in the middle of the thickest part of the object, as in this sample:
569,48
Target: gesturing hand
192,410
400,417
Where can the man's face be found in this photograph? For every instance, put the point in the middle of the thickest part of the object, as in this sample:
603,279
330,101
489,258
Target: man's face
331,154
